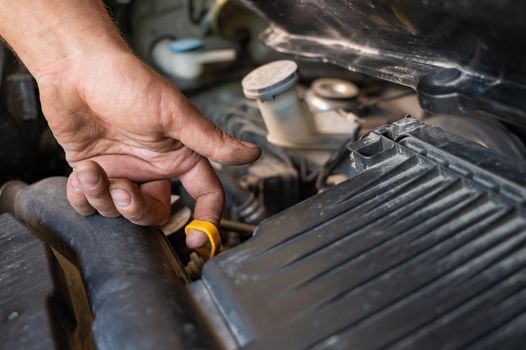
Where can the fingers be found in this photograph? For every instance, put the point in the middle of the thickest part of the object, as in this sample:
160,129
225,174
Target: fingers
89,191
76,197
201,135
118,166
203,185
146,205
90,180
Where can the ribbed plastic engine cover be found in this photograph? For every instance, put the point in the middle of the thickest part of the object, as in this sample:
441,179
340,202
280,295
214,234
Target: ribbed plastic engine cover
423,249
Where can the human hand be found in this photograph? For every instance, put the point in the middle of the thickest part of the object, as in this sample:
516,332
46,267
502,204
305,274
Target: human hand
126,131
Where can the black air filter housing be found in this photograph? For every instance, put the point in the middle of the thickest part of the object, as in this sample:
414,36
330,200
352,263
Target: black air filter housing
424,249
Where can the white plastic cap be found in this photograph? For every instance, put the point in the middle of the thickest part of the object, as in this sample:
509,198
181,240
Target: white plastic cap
271,79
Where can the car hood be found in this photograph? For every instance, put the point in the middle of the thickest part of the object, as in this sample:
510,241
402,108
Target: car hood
460,56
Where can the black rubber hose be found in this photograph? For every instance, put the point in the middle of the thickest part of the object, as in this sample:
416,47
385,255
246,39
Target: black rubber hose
129,272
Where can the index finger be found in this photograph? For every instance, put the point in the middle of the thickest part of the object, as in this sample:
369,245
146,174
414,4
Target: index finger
202,183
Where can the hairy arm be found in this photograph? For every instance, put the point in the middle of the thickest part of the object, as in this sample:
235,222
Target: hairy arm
45,32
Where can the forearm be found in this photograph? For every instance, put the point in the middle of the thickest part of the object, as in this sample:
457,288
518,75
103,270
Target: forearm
48,34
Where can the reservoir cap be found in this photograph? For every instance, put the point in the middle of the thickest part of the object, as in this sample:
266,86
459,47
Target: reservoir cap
270,80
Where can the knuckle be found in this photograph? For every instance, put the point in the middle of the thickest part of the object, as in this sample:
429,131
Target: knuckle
167,169
213,195
220,136
189,161
104,206
163,218
109,213
179,163
209,218
134,214
74,200
80,205
97,193
101,203
84,209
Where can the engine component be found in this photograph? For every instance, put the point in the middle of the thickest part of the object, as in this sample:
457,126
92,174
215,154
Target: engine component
188,58
485,131
28,311
194,267
458,56
28,150
423,249
328,94
179,217
272,85
289,122
196,44
22,96
244,204
14,157
211,232
276,178
152,20
129,271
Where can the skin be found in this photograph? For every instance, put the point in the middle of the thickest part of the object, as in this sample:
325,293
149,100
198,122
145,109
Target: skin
125,130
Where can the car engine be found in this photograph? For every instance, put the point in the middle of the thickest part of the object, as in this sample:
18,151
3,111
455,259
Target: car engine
388,208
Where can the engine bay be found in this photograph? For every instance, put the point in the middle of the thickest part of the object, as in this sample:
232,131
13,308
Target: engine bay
378,216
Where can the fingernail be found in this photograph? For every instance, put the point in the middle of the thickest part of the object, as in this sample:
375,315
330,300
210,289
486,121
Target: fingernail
75,183
196,239
120,197
249,144
87,178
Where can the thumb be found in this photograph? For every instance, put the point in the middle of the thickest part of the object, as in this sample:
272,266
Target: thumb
201,135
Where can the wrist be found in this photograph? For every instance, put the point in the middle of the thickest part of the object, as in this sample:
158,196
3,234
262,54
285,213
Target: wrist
67,50
47,35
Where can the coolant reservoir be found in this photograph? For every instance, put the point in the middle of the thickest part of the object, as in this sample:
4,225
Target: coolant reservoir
290,122
273,86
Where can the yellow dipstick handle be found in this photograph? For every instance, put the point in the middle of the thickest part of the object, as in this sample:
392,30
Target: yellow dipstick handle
210,230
